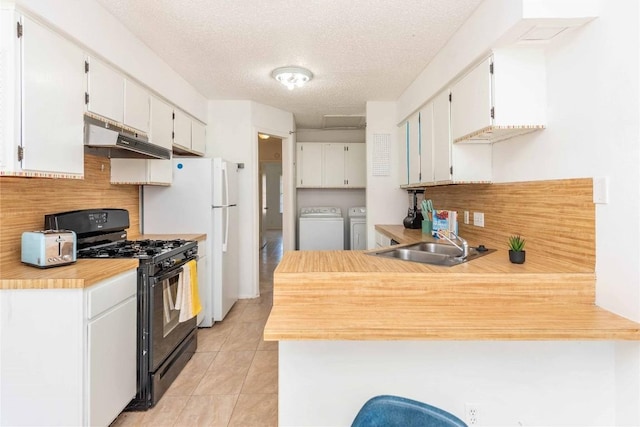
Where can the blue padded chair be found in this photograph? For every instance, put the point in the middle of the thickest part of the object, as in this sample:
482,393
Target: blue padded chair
394,411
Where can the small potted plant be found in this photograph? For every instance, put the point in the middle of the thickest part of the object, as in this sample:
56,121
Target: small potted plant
516,249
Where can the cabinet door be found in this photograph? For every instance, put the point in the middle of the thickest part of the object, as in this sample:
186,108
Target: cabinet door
136,106
414,148
309,165
160,172
161,132
203,284
112,362
356,165
333,175
198,138
403,153
52,105
181,130
441,138
9,90
106,91
426,143
471,101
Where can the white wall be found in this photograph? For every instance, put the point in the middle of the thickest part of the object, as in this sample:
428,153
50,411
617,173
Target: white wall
593,130
233,134
386,202
593,92
91,26
324,383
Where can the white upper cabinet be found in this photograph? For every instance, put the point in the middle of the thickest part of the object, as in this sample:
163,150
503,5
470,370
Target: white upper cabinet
331,165
441,161
426,143
189,135
136,106
502,97
441,138
471,101
111,95
403,153
309,164
105,89
198,137
161,132
355,168
414,148
181,130
334,164
41,79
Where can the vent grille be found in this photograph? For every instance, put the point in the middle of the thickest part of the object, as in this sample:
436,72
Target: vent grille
343,122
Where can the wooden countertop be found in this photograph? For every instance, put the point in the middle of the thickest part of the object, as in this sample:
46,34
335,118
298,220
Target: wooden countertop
81,274
350,295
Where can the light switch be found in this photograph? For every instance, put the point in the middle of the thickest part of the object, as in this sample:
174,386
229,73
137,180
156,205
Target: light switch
478,219
601,190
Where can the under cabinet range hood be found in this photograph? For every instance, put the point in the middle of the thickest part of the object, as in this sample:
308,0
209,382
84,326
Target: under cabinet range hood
102,137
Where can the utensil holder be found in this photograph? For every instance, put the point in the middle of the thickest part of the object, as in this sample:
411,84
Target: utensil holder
427,226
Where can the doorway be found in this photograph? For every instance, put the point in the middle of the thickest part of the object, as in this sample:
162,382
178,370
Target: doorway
271,185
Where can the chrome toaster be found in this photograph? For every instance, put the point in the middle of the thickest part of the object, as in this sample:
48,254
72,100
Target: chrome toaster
48,248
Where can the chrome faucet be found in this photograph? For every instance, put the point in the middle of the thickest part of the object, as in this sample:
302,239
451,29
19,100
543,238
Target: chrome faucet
464,246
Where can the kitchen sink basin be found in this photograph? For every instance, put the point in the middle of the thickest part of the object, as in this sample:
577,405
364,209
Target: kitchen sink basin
431,253
436,248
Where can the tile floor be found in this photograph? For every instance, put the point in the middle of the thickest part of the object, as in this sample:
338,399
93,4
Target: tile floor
232,380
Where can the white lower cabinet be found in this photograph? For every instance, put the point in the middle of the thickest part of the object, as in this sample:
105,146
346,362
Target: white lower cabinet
382,240
111,348
68,355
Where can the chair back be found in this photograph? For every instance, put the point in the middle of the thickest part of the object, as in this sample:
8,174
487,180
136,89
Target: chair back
395,411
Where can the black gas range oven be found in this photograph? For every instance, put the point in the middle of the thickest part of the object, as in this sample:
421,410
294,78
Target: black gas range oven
165,345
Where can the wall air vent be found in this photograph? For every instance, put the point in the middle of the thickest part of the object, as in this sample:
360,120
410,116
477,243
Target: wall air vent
343,122
540,33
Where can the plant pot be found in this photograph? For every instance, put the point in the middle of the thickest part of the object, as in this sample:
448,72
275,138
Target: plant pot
517,257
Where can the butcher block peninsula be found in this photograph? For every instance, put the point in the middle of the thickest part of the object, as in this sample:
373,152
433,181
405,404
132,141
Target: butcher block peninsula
350,324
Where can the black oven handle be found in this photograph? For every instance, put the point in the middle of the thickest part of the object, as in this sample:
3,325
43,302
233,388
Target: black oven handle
175,270
169,274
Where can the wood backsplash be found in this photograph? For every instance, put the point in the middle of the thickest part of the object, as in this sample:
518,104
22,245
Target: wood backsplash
557,218
25,201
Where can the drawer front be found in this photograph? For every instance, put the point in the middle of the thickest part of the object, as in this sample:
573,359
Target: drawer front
110,292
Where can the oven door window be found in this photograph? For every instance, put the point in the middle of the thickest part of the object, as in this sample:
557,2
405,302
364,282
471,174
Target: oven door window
171,313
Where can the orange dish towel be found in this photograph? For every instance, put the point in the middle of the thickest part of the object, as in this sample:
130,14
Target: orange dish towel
188,299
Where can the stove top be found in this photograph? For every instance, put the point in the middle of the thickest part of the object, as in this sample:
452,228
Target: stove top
142,249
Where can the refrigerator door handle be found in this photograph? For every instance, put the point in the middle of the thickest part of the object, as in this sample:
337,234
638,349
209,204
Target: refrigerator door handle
225,186
225,241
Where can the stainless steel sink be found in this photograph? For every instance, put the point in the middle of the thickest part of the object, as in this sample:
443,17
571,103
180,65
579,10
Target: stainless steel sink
436,248
431,253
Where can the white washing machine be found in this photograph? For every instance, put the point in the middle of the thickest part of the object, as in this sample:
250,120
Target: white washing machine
358,227
321,228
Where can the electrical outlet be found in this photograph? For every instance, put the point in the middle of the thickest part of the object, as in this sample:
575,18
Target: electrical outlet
472,414
478,219
601,190
466,217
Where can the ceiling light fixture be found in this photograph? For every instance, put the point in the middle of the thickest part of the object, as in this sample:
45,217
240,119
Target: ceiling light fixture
263,136
292,77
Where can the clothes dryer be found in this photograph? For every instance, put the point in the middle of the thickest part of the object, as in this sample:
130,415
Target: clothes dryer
358,228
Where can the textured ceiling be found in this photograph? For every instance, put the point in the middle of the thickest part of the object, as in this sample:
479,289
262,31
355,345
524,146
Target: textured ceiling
358,50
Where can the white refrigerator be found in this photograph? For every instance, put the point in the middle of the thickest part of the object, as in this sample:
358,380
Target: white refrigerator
202,199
